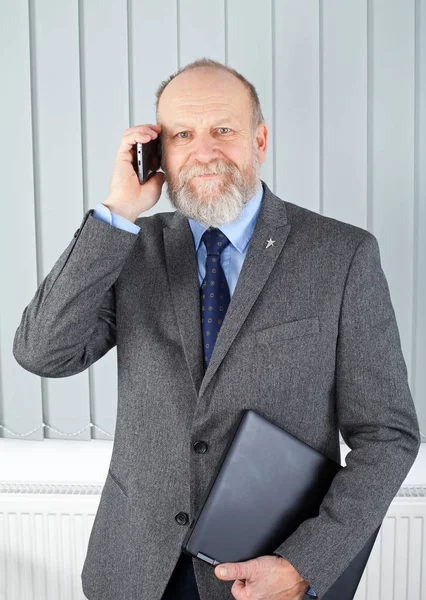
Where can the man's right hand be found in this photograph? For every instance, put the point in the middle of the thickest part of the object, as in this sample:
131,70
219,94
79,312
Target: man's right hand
127,197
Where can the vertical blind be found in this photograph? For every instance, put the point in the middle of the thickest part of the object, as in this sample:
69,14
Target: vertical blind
343,90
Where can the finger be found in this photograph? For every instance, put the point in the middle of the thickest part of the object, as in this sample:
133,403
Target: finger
239,590
153,126
129,140
233,570
133,135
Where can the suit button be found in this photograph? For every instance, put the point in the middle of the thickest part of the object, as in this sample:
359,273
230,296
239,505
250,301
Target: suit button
200,447
181,518
75,234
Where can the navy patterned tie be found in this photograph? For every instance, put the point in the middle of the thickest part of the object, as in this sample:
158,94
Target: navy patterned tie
214,291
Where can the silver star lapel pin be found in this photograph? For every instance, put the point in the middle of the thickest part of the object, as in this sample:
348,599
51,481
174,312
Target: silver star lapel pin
270,242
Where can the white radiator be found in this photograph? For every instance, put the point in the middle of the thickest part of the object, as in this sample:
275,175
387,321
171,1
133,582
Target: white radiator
44,532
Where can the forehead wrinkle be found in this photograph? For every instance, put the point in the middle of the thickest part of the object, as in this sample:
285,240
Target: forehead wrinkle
191,116
202,106
205,113
177,97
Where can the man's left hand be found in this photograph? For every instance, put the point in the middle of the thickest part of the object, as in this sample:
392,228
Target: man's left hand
264,578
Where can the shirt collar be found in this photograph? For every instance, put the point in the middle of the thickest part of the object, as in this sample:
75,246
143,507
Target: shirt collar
238,232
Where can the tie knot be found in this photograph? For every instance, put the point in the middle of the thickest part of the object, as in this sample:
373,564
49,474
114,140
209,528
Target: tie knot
215,241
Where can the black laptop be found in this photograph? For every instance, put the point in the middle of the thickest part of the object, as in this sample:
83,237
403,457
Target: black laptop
265,485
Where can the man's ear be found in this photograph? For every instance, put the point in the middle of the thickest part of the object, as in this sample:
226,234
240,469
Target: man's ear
261,141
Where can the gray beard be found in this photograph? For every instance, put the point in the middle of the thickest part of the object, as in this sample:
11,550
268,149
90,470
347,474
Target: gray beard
213,203
225,209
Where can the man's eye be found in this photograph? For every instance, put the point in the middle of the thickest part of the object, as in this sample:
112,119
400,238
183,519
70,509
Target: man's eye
178,134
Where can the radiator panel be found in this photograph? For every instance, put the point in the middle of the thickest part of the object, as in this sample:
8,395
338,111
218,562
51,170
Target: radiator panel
45,528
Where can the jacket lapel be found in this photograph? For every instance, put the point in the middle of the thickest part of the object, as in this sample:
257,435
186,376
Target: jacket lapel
182,271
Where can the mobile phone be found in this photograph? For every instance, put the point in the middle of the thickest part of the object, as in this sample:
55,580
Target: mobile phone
147,158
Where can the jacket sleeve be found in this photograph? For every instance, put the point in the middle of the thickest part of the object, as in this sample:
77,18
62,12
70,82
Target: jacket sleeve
103,213
377,420
70,322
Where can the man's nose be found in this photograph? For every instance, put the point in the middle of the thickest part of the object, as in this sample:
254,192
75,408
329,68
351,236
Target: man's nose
205,148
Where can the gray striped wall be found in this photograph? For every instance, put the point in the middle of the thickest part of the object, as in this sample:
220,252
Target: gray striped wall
343,91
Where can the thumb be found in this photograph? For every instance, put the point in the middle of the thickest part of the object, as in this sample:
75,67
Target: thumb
237,570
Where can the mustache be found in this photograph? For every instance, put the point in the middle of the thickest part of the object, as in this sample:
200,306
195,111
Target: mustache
213,169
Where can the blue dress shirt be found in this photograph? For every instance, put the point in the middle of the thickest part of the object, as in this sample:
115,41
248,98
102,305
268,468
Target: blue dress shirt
238,232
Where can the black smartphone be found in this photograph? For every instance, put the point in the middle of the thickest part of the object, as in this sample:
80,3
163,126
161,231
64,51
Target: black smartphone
147,159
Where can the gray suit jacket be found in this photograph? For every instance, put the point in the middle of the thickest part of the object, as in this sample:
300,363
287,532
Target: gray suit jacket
309,340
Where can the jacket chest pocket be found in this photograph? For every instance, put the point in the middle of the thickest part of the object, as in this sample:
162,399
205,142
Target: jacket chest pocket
285,331
288,358
291,369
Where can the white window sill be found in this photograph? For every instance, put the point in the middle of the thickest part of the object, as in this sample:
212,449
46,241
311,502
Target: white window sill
56,461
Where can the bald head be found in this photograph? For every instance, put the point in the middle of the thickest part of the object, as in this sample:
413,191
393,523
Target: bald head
203,93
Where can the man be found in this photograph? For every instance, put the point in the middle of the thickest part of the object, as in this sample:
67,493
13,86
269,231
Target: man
297,310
